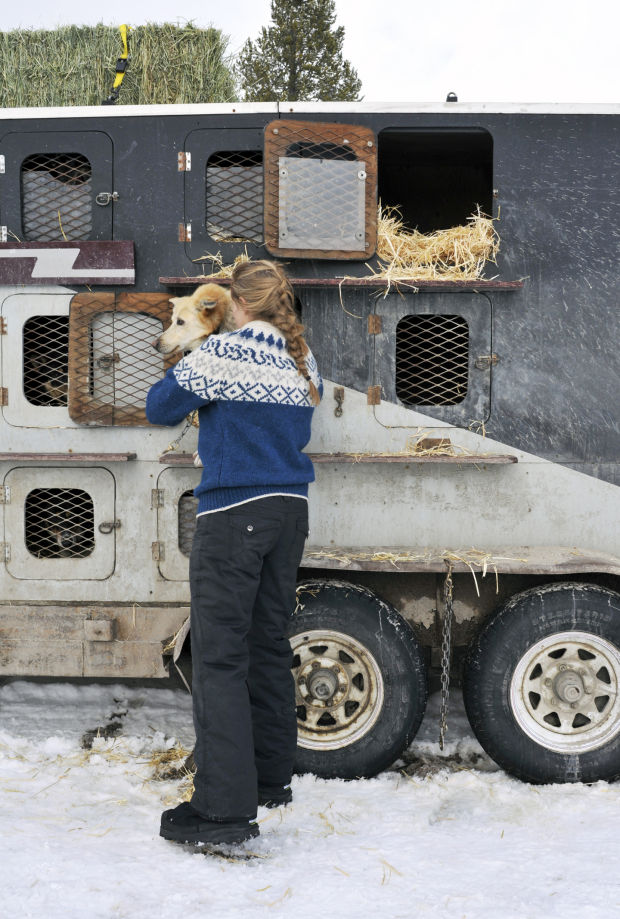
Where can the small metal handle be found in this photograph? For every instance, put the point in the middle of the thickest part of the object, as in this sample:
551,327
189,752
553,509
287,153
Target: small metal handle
106,197
106,360
109,525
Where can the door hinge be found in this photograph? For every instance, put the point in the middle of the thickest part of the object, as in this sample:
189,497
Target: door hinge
185,232
374,395
5,551
374,324
3,234
4,396
5,494
157,497
2,164
484,361
3,327
157,551
184,160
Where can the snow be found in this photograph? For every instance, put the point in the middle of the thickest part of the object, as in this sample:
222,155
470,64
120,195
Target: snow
456,839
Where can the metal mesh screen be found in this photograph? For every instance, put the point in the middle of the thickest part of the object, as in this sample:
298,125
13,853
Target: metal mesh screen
59,523
188,505
320,190
112,362
45,359
234,196
432,359
56,196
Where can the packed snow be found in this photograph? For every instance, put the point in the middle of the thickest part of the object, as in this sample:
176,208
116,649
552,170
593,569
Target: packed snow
456,838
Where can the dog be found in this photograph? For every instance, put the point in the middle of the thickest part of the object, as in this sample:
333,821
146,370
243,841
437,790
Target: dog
194,318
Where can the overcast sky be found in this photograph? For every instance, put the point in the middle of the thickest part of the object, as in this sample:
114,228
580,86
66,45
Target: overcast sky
403,50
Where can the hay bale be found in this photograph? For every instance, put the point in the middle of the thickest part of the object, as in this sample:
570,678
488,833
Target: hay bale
75,65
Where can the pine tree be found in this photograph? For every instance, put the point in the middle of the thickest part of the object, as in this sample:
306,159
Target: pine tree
298,57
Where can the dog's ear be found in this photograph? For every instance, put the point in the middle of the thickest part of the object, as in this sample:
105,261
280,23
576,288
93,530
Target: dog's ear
206,303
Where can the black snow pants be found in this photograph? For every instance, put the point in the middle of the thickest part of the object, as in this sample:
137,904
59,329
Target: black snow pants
243,571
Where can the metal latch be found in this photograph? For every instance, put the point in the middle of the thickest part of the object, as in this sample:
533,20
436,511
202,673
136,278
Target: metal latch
99,629
5,494
4,396
108,525
106,360
3,234
3,328
184,161
2,163
185,232
5,551
374,395
484,361
106,197
157,551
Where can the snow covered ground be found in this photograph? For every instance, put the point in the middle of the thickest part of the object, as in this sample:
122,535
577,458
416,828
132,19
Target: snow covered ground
457,839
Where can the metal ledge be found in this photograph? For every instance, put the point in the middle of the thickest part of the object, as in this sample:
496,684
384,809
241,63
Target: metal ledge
68,457
381,283
546,560
478,459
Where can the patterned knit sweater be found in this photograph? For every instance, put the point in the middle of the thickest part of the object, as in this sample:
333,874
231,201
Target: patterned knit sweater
254,409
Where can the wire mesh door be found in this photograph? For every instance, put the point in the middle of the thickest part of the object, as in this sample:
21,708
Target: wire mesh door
51,183
320,190
431,355
112,362
176,520
57,523
224,193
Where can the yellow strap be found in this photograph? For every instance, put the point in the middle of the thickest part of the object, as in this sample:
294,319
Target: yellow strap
119,76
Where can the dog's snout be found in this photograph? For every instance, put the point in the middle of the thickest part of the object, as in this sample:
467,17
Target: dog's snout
156,344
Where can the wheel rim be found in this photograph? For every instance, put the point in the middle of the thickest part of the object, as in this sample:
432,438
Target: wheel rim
564,692
338,689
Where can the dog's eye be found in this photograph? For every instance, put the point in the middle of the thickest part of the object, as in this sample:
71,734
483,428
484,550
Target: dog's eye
180,322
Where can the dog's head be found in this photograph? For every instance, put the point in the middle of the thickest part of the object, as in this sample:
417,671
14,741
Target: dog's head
194,318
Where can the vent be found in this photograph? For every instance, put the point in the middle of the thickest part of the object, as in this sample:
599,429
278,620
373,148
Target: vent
234,196
112,362
188,505
320,190
56,197
45,357
59,523
432,359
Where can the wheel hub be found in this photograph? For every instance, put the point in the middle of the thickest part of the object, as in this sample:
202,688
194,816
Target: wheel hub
339,689
565,694
568,686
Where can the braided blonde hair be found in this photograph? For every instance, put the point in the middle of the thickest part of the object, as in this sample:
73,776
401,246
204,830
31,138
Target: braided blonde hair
264,291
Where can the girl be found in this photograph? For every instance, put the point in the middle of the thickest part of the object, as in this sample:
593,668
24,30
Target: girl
255,390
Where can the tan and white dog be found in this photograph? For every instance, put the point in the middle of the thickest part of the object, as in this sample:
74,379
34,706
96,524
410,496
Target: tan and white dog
194,318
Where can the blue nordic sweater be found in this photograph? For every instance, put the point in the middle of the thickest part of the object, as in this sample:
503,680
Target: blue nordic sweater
254,410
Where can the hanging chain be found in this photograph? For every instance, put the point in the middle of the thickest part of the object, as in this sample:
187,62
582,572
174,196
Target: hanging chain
446,640
190,421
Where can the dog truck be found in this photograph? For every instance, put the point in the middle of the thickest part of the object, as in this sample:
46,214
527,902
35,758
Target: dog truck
464,516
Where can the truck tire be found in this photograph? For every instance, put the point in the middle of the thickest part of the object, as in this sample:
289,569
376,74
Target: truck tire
360,681
541,684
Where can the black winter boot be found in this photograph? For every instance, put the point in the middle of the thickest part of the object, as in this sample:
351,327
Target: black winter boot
184,824
274,795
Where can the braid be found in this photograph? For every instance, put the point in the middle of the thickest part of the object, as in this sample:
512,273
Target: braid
266,293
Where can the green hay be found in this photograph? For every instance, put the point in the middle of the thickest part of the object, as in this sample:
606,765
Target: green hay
76,65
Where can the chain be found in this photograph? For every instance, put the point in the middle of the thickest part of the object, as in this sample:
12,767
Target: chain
446,639
189,421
